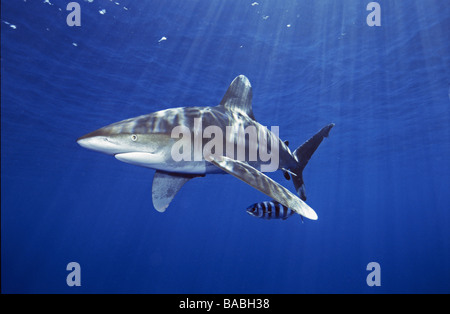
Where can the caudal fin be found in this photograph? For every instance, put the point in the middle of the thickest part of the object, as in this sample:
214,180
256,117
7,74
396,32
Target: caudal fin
303,155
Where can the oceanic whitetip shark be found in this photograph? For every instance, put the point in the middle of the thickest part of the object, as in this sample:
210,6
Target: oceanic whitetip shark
149,141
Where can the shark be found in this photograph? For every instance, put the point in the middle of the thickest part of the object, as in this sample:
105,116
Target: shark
148,141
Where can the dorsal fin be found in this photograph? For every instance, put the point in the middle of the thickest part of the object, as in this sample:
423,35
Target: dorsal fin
239,96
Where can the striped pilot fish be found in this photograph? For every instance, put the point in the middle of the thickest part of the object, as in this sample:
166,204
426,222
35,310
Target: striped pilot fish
270,210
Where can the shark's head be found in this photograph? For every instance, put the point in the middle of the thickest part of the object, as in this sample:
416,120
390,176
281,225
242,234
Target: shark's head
130,141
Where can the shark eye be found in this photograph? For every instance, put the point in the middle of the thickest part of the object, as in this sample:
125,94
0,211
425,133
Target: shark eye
134,137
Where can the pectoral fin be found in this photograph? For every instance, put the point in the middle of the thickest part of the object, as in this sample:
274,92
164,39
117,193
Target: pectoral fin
165,186
264,184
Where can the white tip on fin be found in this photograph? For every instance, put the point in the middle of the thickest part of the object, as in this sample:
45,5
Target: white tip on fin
264,184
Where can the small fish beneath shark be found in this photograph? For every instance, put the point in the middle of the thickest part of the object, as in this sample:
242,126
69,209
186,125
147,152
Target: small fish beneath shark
270,210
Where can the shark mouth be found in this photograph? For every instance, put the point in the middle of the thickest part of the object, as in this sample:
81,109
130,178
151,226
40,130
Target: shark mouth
140,158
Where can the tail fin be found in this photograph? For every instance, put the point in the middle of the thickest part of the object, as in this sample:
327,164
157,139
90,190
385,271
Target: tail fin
303,155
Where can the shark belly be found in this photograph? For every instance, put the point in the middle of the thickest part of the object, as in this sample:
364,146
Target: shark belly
160,162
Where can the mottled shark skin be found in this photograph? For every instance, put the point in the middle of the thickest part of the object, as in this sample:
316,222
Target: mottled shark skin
264,184
147,141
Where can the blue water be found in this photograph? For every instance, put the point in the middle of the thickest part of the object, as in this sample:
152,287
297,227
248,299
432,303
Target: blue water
379,183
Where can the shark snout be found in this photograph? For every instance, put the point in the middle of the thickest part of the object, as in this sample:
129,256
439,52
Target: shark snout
100,142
